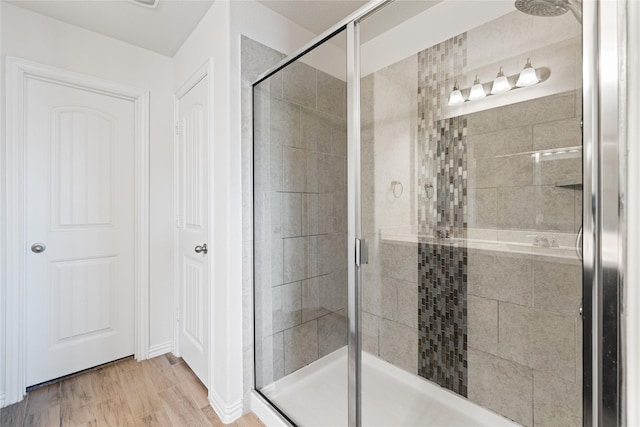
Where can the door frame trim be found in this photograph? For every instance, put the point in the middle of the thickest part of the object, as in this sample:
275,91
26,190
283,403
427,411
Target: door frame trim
19,71
205,71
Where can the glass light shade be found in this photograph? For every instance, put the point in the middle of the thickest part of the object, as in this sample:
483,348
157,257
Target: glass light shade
527,76
500,84
477,91
456,97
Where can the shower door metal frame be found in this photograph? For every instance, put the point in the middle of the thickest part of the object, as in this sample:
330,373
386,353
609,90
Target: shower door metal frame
604,187
604,217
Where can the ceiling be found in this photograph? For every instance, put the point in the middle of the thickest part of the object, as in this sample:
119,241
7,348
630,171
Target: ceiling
314,15
165,28
162,29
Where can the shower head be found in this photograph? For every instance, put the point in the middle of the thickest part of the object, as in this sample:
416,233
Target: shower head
550,7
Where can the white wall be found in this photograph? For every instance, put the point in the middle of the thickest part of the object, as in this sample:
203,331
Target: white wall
218,36
37,38
211,40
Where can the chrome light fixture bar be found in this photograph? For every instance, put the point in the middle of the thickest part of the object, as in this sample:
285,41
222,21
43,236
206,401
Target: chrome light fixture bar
529,76
500,84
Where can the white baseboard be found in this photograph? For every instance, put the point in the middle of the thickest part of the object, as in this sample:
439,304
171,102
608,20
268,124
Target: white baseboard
160,349
2,400
265,412
226,413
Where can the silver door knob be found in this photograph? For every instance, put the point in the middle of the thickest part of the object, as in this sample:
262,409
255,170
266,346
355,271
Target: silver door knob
38,247
202,249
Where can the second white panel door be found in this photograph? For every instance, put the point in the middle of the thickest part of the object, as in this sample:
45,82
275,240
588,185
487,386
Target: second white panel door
193,229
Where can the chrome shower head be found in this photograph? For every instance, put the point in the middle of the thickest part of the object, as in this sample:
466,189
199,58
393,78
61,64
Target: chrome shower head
541,7
550,7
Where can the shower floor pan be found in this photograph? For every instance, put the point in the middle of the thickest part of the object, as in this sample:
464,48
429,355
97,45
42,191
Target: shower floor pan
316,396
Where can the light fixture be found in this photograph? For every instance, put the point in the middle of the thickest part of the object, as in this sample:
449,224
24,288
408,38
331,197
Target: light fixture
145,3
456,97
500,84
527,76
477,90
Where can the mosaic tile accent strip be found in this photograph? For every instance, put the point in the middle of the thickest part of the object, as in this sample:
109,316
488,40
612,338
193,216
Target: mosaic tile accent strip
442,216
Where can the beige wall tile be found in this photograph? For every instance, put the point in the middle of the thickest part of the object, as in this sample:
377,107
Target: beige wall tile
503,278
553,342
299,84
482,122
290,213
311,301
287,306
556,402
371,293
541,110
284,124
559,169
399,345
482,324
316,131
256,58
300,346
557,287
557,134
339,138
511,171
317,214
514,330
370,331
408,303
300,258
332,333
482,207
517,207
555,209
294,170
400,261
538,339
501,142
502,386
389,298
332,95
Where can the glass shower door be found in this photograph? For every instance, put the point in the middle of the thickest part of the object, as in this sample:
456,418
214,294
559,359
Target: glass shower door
471,180
300,230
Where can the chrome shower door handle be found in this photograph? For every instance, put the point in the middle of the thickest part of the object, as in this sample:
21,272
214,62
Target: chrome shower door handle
579,244
37,248
201,249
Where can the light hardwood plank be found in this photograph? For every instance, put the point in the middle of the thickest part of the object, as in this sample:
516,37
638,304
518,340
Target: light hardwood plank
71,415
105,383
181,409
212,417
159,392
43,398
112,412
48,417
13,415
249,420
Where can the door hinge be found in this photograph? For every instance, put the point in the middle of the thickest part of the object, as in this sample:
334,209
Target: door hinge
177,128
177,221
177,315
362,252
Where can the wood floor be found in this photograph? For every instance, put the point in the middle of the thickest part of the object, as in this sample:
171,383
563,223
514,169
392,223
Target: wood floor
162,391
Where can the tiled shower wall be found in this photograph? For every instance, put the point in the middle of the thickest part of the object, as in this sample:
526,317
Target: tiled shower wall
523,329
442,220
525,334
390,280
300,220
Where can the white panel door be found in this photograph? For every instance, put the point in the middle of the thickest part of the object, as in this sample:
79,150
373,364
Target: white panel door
193,223
80,207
